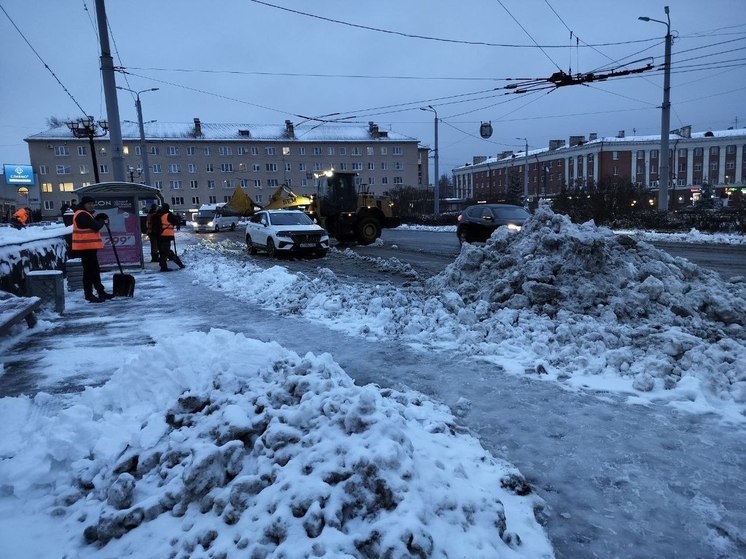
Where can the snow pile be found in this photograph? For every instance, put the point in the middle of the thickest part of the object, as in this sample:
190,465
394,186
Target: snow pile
242,448
573,303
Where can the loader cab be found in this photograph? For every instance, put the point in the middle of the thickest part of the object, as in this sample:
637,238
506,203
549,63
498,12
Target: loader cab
337,193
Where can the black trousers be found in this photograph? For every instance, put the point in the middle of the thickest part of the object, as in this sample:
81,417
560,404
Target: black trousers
153,248
91,272
166,254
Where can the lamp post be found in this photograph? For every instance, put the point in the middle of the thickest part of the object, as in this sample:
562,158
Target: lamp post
143,149
436,182
132,170
88,128
525,172
665,114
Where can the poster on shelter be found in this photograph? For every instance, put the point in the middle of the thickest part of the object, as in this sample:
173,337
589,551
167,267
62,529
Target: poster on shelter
125,232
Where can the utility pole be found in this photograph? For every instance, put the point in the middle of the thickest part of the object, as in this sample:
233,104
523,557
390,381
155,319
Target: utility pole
436,182
143,147
110,94
525,172
663,175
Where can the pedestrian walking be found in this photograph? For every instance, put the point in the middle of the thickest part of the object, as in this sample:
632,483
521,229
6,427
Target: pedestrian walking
168,222
86,243
152,232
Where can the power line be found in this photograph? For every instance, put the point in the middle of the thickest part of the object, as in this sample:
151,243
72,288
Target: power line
429,38
529,34
42,60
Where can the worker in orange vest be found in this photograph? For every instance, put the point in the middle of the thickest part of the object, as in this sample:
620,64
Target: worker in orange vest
86,243
169,222
20,218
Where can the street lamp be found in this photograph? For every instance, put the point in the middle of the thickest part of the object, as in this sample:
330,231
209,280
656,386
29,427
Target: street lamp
436,182
88,128
132,170
143,149
525,172
665,114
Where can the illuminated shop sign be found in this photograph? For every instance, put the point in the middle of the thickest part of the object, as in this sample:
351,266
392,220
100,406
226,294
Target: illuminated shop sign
18,174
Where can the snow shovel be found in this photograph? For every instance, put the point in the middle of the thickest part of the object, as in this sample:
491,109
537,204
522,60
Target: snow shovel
124,284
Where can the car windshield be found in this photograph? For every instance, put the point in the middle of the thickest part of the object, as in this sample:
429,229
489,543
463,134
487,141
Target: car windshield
510,213
290,218
206,213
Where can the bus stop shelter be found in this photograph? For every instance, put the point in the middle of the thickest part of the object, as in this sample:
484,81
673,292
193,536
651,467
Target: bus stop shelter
122,202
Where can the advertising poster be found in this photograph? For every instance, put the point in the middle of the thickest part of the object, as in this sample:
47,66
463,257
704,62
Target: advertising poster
123,222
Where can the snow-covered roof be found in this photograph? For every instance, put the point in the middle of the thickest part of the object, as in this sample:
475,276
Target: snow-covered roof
311,132
517,156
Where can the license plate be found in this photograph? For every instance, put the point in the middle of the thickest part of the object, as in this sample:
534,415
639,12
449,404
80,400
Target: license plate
307,245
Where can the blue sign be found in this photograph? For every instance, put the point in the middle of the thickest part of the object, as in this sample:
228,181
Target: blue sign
19,174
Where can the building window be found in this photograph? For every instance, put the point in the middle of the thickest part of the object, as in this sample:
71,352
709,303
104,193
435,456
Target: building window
255,151
257,183
357,166
156,167
698,167
714,151
190,150
273,183
256,167
301,151
384,166
174,168
682,152
43,169
356,151
398,180
207,150
730,150
82,150
699,152
396,150
177,200
371,180
195,200
240,150
384,151
342,151
194,184
158,184
176,185
225,150
226,167
369,150
173,150
317,166
653,154
209,168
371,166
154,150
46,187
271,167
212,199
301,166
398,165
210,184
317,151
615,155
63,169
84,169
343,166
713,165
330,150
138,151
66,187
61,151
270,151
192,168
48,204
229,183
244,183
384,180
287,166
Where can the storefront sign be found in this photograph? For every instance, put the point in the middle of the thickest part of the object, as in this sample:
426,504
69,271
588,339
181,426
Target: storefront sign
123,222
18,174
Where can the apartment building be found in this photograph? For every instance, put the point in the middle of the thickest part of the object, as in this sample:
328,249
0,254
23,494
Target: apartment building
203,163
714,158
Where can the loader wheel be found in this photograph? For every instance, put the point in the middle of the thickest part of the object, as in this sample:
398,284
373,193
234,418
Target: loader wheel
250,246
368,230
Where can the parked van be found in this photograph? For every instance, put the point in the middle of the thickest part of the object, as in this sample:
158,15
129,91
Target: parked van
212,217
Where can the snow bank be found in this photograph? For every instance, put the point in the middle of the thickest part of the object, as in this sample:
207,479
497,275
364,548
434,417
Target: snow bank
572,303
234,447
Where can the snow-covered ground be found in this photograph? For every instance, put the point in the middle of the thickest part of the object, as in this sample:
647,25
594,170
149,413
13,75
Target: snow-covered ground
281,455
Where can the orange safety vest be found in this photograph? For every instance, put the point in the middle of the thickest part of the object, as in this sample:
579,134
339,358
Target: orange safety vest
21,215
166,226
85,239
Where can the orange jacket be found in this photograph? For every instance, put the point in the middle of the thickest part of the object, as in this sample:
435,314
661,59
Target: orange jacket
166,226
85,239
21,215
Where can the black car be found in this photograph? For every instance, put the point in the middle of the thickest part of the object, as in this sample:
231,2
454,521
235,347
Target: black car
476,223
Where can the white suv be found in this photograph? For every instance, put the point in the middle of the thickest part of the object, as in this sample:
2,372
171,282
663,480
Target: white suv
285,232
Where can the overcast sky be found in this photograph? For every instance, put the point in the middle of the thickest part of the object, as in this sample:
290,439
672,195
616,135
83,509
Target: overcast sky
245,61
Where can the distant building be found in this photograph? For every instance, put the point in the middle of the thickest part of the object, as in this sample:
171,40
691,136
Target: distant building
716,159
203,163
